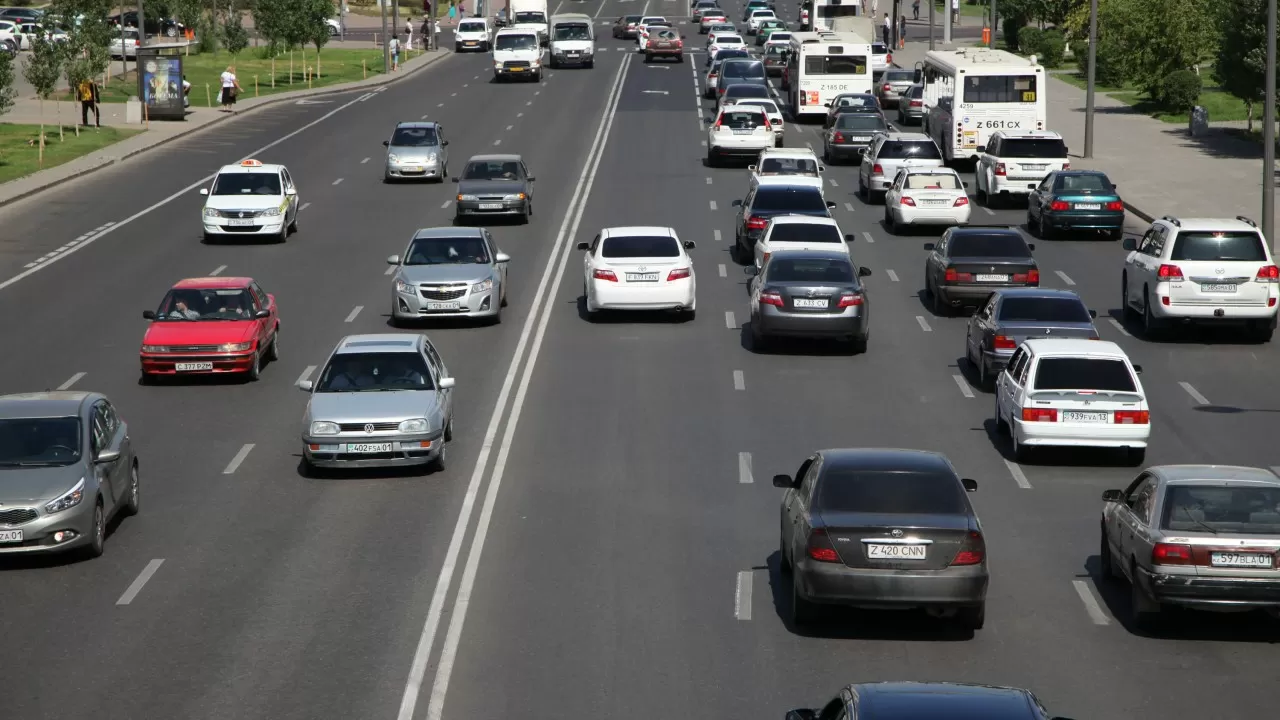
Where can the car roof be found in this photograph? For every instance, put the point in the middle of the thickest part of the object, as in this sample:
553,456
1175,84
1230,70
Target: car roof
789,152
788,181
56,403
1032,135
754,88
377,342
928,698
927,170
448,232
738,107
1192,473
811,255
1051,347
984,230
886,459
853,94
1213,224
212,283
240,168
495,157
1039,292
418,123
636,231
802,220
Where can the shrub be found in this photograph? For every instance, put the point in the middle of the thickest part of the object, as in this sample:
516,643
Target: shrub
206,37
1179,91
1109,72
1029,39
1052,49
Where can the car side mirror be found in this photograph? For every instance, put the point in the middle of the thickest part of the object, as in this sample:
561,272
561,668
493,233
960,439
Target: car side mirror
204,191
965,185
584,246
386,143
970,485
1111,496
831,205
108,455
454,179
850,237
826,105
393,259
736,203
1129,244
751,270
751,168
1137,369
802,714
446,383
864,151
306,385
689,245
864,271
501,258
148,314
1115,187
1031,247
1093,313
533,179
783,481
262,314
930,247
444,143
291,191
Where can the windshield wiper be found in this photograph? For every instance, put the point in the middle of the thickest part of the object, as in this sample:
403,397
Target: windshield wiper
1187,511
35,463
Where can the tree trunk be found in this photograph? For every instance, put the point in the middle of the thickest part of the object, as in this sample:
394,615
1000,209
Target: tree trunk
318,61
41,151
57,111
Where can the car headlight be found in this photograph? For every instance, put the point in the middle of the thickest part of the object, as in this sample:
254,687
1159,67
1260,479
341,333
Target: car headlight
535,63
466,198
393,158
513,198
416,425
497,65
404,287
210,212
235,347
67,500
484,286
154,349
270,212
321,427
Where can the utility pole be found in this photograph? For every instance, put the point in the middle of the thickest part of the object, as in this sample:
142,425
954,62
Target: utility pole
1269,132
386,41
946,26
142,28
894,40
1093,76
995,22
933,7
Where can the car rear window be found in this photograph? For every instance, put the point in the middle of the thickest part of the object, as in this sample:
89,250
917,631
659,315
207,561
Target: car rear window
890,492
914,91
1044,309
879,48
814,270
909,149
856,101
1068,373
640,247
789,166
1082,183
804,233
1219,246
789,200
1216,509
933,181
860,121
1033,148
988,245
894,76
727,39
741,90
742,119
767,105
743,68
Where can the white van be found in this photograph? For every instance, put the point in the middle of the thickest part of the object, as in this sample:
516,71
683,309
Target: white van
472,34
573,40
517,53
530,12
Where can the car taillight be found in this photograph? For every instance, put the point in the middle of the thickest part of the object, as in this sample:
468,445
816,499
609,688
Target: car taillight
1115,206
1039,415
1268,273
757,223
771,298
954,276
1030,278
1169,272
972,551
877,170
1000,169
1004,342
960,201
1132,417
678,274
886,88
1066,166
849,300
679,44
1171,554
604,275
838,137
768,125
889,58
917,103
819,547
909,202
653,43
1058,205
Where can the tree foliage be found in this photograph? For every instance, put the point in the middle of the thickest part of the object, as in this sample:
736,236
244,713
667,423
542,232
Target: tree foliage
315,13
187,12
1159,41
8,93
44,66
234,37
289,24
87,51
1241,63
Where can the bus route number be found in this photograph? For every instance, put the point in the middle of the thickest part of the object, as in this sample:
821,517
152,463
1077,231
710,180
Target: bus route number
999,124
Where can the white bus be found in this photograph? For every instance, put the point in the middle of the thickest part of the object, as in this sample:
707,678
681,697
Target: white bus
971,93
821,66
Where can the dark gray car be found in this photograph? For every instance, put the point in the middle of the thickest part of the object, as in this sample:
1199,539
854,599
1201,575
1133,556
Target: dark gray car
911,106
741,71
809,293
969,263
494,185
67,468
1011,316
744,91
877,528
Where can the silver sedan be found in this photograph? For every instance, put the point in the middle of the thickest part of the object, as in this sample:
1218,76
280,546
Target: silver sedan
449,272
416,151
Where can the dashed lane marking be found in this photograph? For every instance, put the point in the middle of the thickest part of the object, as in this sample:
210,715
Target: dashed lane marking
139,582
987,210
716,234
742,596
498,141
868,237
509,127
390,269
56,254
1195,394
354,312
1018,476
963,385
365,160
708,181
714,207
893,276
71,381
1091,604
238,459
924,324
849,207
338,181
724,272
217,271
729,321
833,182
1065,278
739,380
304,206
744,469
446,204
1116,324
306,374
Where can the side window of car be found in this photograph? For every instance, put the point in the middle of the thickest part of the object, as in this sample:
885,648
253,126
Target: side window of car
524,168
99,430
804,469
1025,371
810,482
989,309
833,710
1142,504
1158,241
433,358
1148,241
110,420
751,197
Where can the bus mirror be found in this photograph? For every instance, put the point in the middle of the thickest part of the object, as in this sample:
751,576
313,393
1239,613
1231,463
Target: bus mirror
918,77
982,148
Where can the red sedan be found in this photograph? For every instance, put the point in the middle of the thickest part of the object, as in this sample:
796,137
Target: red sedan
211,325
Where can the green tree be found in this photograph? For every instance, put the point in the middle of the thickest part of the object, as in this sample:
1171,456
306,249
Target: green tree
277,21
7,91
42,69
87,51
314,15
1241,63
1158,42
234,37
187,12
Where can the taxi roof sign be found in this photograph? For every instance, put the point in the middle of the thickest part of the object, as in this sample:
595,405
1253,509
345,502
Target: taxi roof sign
251,163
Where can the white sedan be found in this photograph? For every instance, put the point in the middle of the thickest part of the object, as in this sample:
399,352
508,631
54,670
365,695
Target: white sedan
774,113
757,17
717,30
725,41
638,268
926,196
800,232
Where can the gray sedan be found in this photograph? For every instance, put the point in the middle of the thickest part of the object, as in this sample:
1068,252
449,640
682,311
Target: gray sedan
449,272
417,150
67,468
892,84
809,293
495,185
381,401
1013,315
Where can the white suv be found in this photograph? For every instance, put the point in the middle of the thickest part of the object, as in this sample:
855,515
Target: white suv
1201,270
1016,163
739,131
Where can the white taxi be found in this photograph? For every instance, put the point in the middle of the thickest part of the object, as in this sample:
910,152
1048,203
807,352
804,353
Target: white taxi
800,232
639,268
926,196
250,198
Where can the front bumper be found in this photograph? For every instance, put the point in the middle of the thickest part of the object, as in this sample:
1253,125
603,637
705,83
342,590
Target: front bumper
518,72
1061,434
491,207
406,171
39,535
771,321
678,295
1210,592
271,225
411,305
165,364
469,45
836,584
334,451
573,57
1084,220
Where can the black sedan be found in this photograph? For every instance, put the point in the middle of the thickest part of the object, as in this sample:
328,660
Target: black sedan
494,185
915,700
1011,316
879,528
846,102
809,293
969,263
1076,200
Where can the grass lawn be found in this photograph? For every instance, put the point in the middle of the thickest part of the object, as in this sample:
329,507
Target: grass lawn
1074,77
1220,105
336,66
18,158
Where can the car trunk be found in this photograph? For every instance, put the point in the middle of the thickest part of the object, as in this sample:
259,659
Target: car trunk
979,270
1085,406
810,298
1222,283
1022,331
854,534
643,270
1030,169
1236,555
933,199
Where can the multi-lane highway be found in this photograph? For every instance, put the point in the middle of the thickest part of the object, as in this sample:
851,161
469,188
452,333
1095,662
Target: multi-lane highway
604,542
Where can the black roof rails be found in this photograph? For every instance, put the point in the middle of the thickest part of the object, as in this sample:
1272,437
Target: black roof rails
1244,219
1173,220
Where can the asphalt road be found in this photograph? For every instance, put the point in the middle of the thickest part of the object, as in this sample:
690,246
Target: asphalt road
615,475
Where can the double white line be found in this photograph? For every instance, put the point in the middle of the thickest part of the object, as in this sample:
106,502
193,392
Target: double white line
540,312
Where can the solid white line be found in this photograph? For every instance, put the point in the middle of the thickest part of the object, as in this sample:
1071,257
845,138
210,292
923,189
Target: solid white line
739,381
306,374
729,321
422,652
1195,394
892,275
716,234
71,381
498,141
924,324
849,207
724,272
1116,324
1018,476
987,210
742,596
714,207
239,458
338,181
390,269
135,587
868,237
1091,604
365,161
217,271
964,385
1064,277
354,313
446,204
833,182
744,468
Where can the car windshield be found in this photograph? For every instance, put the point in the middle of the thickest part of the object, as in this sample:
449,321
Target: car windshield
898,76
1068,373
1218,246
640,246
767,105
516,42
909,150
447,251
471,26
530,17
573,32
879,49
804,233
790,199
246,183
375,371
762,13
817,271
1082,183
744,69
742,119
999,245
414,137
1242,510
493,170
1033,148
789,166
745,91
890,492
717,29
860,121
212,304
933,181
1044,309
629,19
39,441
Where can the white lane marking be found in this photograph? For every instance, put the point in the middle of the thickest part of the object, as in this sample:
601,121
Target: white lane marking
217,271
714,207
498,141
304,206
528,103
465,85
1116,324
424,117
964,385
453,94
520,115
868,237
849,207
537,92
833,182
354,312
546,288
987,210
446,204
390,269
744,469
1091,604
71,381
1018,476
708,181
509,127
1194,393
739,381
239,458
1065,278
338,181
704,143
439,104
924,324
729,321
724,272
1275,470
716,234
135,587
365,160
742,596
306,374
893,276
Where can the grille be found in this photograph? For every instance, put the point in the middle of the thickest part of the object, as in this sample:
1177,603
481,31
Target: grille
359,427
516,64
437,293
17,517
192,349
239,213
492,198
241,228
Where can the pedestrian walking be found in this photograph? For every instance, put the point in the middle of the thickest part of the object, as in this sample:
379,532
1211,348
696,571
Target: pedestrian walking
915,9
186,93
88,91
408,32
393,46
902,32
230,89
955,11
886,30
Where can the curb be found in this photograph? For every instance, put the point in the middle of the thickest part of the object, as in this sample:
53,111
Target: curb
285,97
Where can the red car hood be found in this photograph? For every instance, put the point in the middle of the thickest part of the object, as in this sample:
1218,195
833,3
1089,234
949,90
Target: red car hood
199,332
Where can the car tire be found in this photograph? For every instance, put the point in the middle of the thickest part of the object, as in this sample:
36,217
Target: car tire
1106,562
133,502
890,225
1135,457
760,342
1043,229
1002,427
207,239
648,58
985,381
1127,313
147,379
1151,326
1144,611
255,370
937,304
859,344
802,611
448,431
1021,453
457,47
97,533
784,564
1261,331
972,618
293,226
441,461
282,236
273,351
711,159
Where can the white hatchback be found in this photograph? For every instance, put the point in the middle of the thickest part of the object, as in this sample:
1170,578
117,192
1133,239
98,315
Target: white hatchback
1072,393
926,196
800,232
638,268
727,41
739,131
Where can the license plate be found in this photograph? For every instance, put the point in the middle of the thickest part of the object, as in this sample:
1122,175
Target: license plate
896,552
935,202
1033,167
1218,288
810,303
189,367
411,168
490,206
1230,559
992,278
572,53
442,306
642,277
470,42
368,447
242,223
742,132
860,138
515,69
10,536
1088,206
1085,417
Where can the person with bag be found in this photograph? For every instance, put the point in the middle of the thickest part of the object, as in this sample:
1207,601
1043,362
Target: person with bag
88,92
230,88
393,47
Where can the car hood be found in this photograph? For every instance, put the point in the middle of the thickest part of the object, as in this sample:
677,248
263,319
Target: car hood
490,187
198,332
244,202
391,406
459,272
37,485
405,151
571,44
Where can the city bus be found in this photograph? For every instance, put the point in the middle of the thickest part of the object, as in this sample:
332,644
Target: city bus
833,16
971,93
821,66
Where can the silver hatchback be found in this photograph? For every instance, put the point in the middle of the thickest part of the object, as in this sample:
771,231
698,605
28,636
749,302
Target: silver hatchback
449,272
416,151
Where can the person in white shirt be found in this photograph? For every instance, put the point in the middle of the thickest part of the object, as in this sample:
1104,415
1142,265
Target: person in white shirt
393,46
408,32
230,88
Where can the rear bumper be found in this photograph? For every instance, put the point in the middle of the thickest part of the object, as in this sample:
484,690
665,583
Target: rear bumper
747,151
1059,434
848,324
1209,313
832,584
1210,592
847,151
972,294
1084,220
933,216
675,295
1006,186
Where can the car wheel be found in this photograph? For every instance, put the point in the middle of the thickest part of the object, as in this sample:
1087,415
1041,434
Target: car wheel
1150,325
1106,563
759,341
972,618
255,370
283,235
273,352
979,193
1002,427
1127,313
711,159
784,564
1021,453
680,58
1143,610
146,379
859,344
293,226
802,611
133,502
448,432
97,533
984,375
648,58
890,224
441,461
1043,229
938,304
457,47
172,31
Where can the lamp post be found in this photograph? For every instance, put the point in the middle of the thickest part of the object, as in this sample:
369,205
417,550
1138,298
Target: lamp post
386,41
1092,81
1269,132
995,22
933,7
